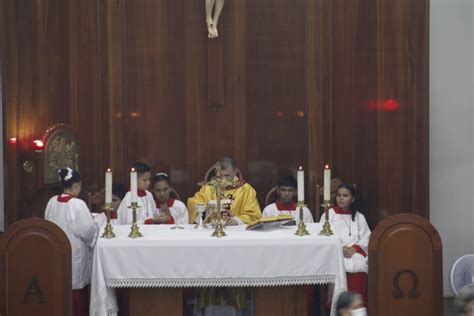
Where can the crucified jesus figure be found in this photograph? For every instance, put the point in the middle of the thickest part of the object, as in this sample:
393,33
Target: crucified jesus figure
212,20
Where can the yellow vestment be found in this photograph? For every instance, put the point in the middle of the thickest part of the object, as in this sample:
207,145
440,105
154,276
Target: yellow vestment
244,203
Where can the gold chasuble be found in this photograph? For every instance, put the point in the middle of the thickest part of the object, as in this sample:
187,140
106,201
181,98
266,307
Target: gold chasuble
244,203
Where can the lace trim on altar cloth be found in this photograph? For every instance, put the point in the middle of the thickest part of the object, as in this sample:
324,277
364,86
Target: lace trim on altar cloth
221,282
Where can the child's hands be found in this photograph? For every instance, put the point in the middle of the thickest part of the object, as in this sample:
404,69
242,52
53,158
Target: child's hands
164,210
160,219
348,252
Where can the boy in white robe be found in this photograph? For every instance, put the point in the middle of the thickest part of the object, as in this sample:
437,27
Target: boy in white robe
75,219
285,203
146,203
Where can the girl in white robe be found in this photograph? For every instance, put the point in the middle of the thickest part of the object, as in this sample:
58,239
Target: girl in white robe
169,210
354,233
75,219
146,203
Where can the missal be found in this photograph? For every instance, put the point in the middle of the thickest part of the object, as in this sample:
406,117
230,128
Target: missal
272,222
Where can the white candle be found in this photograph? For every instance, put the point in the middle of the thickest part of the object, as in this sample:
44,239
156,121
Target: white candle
300,177
327,183
108,186
133,185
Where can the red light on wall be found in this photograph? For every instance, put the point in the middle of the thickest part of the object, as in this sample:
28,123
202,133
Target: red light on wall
12,140
38,145
390,105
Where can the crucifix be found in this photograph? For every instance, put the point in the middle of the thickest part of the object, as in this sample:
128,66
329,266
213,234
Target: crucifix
213,7
215,55
219,183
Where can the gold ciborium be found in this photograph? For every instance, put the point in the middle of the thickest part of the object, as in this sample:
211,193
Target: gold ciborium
301,230
326,231
134,232
108,230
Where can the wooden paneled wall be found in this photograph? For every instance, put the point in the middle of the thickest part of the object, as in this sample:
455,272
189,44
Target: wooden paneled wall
287,83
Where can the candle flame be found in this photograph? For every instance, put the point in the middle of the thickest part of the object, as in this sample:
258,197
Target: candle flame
133,169
108,169
300,168
326,167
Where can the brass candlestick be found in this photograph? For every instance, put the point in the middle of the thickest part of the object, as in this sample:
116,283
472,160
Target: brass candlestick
301,231
108,230
219,231
134,232
326,231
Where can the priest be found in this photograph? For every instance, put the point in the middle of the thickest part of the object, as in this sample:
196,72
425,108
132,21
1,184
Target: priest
243,207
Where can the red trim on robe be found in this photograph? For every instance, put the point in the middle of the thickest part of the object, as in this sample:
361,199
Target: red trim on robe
340,211
149,221
140,192
285,207
65,197
169,202
357,282
359,250
79,302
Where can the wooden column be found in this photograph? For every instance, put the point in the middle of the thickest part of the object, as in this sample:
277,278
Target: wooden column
281,301
156,302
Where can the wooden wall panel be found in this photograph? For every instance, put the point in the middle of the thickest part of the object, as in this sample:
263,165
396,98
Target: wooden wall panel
111,51
380,107
286,83
153,74
275,92
52,66
198,124
39,79
319,51
85,91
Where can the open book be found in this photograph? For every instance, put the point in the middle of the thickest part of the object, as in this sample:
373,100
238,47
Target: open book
272,222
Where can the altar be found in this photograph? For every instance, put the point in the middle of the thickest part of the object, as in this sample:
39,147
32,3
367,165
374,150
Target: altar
165,260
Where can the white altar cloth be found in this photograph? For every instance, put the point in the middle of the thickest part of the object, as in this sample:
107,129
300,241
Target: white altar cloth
188,257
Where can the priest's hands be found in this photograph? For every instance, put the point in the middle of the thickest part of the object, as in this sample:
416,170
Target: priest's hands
231,221
348,252
228,218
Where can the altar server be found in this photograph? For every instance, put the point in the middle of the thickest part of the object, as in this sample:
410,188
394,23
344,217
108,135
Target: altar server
354,233
75,219
285,203
146,203
170,211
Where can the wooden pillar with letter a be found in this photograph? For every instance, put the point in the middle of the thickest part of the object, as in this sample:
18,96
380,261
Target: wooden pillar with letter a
35,267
